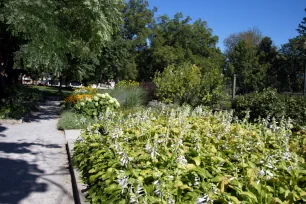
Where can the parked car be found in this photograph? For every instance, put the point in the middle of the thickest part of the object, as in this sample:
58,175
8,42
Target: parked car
75,84
43,83
53,83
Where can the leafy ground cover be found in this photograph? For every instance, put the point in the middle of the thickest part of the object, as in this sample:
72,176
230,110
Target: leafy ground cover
71,120
180,155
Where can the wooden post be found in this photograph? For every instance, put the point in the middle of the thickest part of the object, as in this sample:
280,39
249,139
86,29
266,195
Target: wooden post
234,86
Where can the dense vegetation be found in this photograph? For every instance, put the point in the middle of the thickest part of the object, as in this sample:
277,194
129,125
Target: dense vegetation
20,103
125,40
179,148
269,104
191,156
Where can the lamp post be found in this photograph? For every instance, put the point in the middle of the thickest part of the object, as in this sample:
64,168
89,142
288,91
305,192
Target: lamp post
305,71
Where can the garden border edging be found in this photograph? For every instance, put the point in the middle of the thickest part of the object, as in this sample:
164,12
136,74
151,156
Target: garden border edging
78,187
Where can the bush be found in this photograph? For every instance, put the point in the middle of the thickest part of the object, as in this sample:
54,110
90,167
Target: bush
99,103
127,84
178,84
269,104
129,97
295,108
185,156
20,102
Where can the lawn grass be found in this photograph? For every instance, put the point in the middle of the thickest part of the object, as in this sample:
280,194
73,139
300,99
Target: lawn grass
53,91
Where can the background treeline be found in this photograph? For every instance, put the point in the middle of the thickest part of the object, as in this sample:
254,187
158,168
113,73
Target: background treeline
127,40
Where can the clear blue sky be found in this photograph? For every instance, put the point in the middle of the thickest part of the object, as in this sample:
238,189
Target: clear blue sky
277,19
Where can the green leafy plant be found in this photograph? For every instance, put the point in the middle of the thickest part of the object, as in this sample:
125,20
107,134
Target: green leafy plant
190,156
178,84
99,103
269,103
127,84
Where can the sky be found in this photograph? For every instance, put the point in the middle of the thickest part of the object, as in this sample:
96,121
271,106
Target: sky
277,19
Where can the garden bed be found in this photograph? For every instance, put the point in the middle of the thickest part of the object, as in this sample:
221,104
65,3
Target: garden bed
191,156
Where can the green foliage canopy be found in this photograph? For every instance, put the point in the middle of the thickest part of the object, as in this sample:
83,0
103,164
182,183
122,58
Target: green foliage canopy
57,32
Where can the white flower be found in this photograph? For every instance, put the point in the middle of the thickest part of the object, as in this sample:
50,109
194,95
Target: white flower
171,201
269,173
204,200
261,172
122,180
182,160
196,181
157,191
148,148
139,191
171,177
124,159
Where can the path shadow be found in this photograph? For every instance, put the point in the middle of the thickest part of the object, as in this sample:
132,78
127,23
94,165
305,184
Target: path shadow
18,179
21,148
2,128
47,110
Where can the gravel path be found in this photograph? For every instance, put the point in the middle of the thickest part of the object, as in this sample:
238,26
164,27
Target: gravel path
33,160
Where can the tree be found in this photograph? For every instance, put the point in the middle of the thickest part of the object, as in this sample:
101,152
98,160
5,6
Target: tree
269,59
9,45
292,62
138,23
116,62
291,70
302,28
123,57
244,61
251,36
60,35
177,41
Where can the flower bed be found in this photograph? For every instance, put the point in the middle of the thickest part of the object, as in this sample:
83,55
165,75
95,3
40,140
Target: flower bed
185,156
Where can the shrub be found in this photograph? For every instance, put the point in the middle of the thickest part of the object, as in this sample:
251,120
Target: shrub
99,103
295,108
269,104
185,156
20,102
127,84
178,84
129,97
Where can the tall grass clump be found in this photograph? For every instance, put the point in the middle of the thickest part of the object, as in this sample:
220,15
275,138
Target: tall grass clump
129,97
